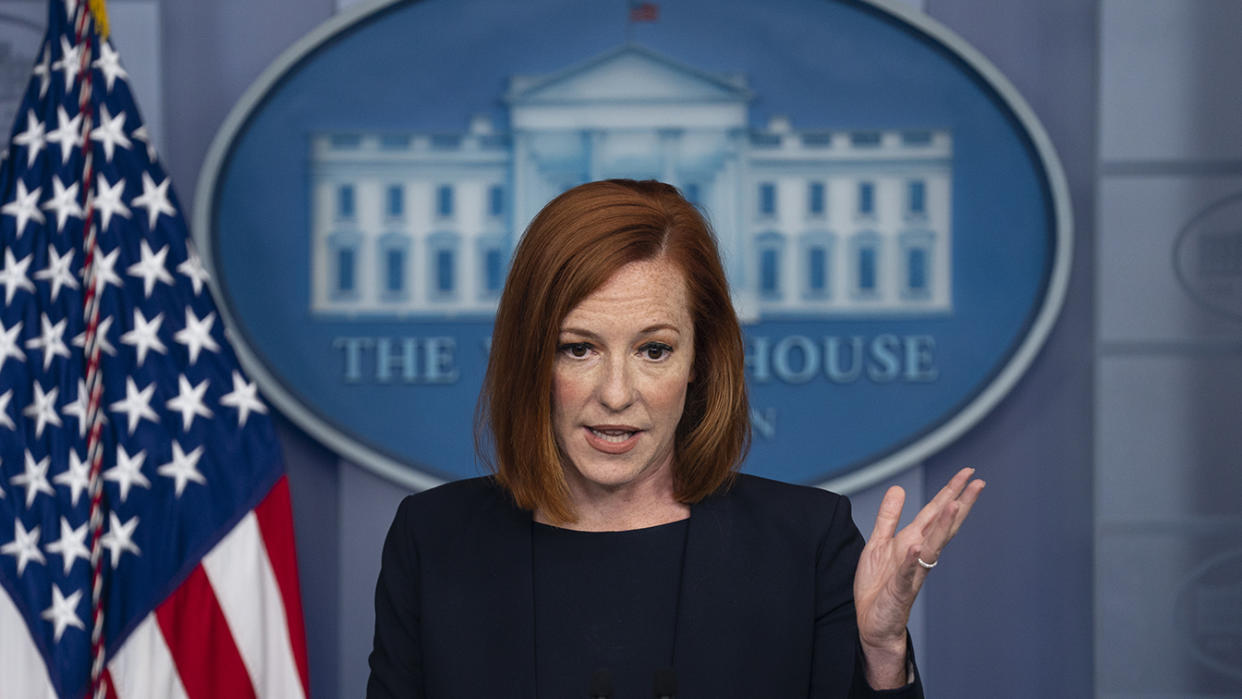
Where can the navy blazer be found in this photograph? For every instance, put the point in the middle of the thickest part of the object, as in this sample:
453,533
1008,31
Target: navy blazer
766,607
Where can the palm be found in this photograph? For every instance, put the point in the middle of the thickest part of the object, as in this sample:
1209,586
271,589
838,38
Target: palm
889,576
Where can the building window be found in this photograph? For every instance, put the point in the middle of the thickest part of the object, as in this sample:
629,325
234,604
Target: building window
866,263
496,200
345,201
815,199
815,259
491,257
394,204
817,270
866,198
916,253
444,201
444,271
394,253
916,198
346,259
916,270
343,273
865,139
767,199
394,271
443,259
771,248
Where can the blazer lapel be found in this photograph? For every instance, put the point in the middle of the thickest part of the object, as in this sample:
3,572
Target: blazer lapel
706,641
511,667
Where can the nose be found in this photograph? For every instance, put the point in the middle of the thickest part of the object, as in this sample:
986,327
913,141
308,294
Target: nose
616,389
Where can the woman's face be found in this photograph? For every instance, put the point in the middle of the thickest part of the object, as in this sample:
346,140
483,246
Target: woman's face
625,356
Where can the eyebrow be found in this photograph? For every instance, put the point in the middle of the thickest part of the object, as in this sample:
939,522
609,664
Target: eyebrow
645,331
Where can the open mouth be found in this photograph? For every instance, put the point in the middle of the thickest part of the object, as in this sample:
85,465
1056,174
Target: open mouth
612,436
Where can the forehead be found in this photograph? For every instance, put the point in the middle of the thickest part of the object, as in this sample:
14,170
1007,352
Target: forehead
644,292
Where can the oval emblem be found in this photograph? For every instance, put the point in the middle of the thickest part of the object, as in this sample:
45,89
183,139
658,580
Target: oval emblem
894,222
1209,613
1208,256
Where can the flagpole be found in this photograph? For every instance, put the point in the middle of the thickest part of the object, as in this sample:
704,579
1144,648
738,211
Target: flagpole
83,38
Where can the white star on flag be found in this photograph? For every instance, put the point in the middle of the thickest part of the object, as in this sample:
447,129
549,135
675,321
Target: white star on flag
197,334
57,270
109,62
77,477
150,268
13,276
63,612
24,546
189,401
43,71
5,420
104,272
244,397
128,471
110,132
67,134
43,408
101,336
154,199
141,134
183,468
70,58
118,539
71,545
34,478
77,408
24,207
108,200
64,201
194,270
137,404
9,346
51,340
32,138
145,335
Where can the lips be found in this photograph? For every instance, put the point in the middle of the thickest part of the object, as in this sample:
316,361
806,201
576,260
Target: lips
612,439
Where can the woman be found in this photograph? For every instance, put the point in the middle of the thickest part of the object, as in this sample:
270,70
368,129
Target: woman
616,544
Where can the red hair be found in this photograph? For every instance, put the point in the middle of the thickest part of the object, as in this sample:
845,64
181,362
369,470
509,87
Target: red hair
571,248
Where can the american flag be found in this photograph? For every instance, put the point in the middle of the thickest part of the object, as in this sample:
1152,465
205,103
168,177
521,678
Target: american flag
199,593
644,12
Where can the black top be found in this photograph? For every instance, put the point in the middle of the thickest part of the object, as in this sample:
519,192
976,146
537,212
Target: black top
605,601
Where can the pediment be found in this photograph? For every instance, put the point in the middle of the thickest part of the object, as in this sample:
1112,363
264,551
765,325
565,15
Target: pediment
627,74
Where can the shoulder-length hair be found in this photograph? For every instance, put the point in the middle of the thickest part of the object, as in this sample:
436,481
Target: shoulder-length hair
572,247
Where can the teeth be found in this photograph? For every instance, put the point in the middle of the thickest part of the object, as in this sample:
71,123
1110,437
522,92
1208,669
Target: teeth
616,436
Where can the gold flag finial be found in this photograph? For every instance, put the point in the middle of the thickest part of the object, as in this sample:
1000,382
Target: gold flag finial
99,11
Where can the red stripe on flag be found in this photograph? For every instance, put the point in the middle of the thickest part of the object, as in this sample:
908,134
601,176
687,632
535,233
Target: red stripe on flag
201,643
109,688
275,517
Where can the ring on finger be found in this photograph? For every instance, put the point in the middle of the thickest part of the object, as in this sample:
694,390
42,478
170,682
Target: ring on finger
927,565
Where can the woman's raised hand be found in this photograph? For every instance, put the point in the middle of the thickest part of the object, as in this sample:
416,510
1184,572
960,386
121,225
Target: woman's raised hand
894,565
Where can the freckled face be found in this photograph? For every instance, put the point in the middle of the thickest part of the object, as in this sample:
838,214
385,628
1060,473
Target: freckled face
624,359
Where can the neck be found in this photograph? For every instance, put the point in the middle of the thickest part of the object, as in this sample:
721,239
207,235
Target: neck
647,503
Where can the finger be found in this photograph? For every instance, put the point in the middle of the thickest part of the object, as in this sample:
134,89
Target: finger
890,514
966,501
939,535
947,494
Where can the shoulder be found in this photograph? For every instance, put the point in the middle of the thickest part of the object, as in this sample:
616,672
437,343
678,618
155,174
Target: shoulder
453,506
782,509
776,497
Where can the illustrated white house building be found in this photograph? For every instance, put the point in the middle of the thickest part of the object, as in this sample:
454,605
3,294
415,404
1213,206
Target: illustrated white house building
812,223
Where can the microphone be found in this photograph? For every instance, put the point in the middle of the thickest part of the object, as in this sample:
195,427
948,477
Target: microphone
601,685
664,686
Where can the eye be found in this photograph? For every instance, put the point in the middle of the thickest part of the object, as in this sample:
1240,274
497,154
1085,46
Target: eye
577,350
655,351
